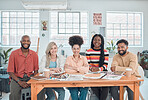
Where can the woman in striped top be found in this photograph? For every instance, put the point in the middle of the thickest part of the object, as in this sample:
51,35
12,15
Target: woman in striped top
97,58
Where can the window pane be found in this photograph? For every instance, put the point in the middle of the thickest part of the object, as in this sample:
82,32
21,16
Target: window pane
137,36
123,26
130,18
13,31
5,31
137,42
138,18
36,20
61,30
137,26
137,31
117,32
12,20
12,25
130,37
131,42
27,25
5,19
5,39
12,40
69,25
61,17
16,23
20,14
117,26
35,14
75,30
12,14
27,20
5,14
20,31
68,17
123,31
126,25
65,24
68,30
60,25
75,17
5,25
75,25
27,14
130,31
27,31
20,20
20,25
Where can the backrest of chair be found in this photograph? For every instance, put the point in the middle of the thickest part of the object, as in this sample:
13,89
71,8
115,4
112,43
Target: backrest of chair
141,72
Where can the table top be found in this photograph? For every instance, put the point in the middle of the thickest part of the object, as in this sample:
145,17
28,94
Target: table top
123,79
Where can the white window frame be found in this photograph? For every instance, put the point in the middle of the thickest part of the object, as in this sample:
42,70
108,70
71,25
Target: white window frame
66,44
141,28
17,26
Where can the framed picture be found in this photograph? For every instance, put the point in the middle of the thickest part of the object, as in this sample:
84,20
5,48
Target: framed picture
97,19
44,25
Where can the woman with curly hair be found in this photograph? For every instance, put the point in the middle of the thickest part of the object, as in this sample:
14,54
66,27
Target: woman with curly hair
97,58
77,64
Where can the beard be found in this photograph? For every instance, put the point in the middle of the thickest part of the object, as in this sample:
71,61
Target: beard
124,52
25,47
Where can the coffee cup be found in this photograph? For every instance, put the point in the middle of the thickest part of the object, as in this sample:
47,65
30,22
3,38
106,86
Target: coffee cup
47,72
128,72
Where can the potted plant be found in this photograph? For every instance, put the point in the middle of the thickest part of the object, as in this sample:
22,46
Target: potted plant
5,56
111,48
144,61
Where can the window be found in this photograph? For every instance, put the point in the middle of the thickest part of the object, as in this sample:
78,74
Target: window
125,25
18,23
65,24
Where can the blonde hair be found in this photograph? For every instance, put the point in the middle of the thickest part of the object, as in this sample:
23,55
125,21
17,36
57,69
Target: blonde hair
48,54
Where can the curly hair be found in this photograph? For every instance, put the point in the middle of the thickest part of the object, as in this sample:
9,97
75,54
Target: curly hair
75,40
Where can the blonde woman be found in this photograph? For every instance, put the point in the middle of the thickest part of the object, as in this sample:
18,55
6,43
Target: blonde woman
55,63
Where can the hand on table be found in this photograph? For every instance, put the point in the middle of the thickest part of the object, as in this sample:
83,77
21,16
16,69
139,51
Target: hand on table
23,84
94,69
58,70
113,68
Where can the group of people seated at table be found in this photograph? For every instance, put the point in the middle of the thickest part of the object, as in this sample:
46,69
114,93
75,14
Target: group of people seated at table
23,63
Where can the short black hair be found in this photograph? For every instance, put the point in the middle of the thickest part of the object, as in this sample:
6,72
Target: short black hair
122,41
76,39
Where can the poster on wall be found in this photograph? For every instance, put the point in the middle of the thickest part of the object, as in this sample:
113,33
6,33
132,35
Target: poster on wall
44,25
97,19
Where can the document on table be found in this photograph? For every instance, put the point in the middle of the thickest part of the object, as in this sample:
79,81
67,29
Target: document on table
75,77
112,77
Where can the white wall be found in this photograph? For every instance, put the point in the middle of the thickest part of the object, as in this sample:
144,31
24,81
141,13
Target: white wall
92,6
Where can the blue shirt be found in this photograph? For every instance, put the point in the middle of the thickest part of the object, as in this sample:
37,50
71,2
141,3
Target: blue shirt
52,64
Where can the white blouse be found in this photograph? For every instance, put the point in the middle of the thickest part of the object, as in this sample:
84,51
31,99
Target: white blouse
60,62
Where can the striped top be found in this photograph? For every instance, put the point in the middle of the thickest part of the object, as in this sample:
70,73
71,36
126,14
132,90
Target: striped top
93,57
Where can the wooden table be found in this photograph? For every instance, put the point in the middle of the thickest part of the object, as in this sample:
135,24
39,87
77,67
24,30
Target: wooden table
132,83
